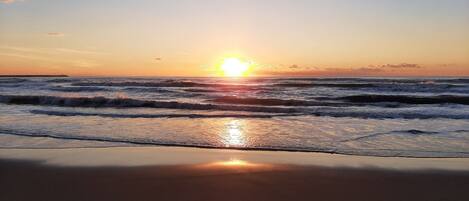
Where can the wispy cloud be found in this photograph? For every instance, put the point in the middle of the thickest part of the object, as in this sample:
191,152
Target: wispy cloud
85,64
368,70
52,56
7,1
55,34
76,51
21,49
294,66
51,50
401,65
296,70
30,57
327,71
298,67
54,61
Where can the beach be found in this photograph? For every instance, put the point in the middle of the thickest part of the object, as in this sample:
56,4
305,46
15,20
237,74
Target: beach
172,173
246,100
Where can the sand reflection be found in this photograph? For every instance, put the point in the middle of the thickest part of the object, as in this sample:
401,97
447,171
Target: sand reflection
234,134
235,164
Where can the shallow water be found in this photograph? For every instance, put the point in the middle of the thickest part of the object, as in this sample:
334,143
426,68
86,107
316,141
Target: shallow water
361,116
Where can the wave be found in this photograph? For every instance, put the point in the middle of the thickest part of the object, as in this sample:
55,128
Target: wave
201,91
10,85
192,116
168,83
339,112
363,113
355,80
457,80
328,112
225,86
60,80
77,89
11,80
145,141
102,102
382,80
421,88
403,132
155,142
271,102
331,85
148,90
443,99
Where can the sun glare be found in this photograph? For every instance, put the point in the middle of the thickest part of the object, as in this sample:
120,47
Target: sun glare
234,67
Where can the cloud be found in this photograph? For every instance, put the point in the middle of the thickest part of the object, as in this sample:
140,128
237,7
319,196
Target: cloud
55,34
7,1
297,67
30,57
50,50
316,71
401,65
68,50
369,70
352,71
20,49
84,64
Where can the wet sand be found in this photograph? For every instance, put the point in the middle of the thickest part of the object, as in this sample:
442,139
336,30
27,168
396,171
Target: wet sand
108,174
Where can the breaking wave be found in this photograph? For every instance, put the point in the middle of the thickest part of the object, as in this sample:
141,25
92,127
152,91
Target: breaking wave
77,89
11,80
168,83
156,142
60,80
102,102
394,113
269,106
331,85
403,132
443,99
272,102
194,116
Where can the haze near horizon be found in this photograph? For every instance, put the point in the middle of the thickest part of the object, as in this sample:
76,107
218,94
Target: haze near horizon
196,38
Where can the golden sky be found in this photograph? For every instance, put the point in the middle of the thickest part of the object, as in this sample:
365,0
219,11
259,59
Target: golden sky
192,37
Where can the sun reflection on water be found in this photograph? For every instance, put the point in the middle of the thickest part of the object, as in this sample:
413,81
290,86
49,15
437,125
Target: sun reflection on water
233,134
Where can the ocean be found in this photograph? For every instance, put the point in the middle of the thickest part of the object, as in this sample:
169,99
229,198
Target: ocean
404,117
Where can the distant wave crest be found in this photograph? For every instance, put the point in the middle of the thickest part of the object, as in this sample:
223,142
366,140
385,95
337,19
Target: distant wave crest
130,103
11,80
442,99
272,102
77,89
114,115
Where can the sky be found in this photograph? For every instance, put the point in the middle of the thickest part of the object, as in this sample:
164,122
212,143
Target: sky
192,37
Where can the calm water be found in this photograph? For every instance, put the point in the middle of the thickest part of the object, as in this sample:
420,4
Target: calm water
361,116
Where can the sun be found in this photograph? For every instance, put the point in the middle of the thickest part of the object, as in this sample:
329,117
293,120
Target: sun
234,67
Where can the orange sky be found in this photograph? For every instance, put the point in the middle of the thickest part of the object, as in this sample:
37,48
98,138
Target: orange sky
191,38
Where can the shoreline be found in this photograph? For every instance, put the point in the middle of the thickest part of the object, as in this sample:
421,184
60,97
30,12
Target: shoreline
176,155
177,173
201,147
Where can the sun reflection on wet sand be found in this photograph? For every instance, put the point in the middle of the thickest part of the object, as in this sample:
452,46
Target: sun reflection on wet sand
234,163
233,135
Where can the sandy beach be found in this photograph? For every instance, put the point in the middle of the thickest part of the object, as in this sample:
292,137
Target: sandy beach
246,100
171,173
